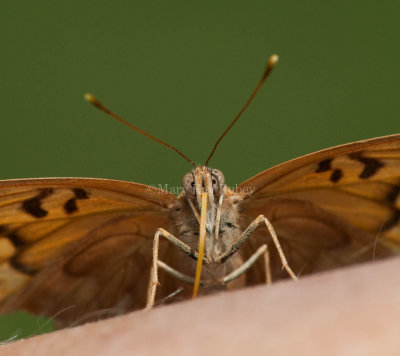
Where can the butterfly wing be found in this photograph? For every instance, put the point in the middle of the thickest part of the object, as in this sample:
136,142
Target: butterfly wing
330,208
76,248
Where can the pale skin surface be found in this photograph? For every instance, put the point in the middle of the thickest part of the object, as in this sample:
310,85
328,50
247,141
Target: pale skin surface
353,311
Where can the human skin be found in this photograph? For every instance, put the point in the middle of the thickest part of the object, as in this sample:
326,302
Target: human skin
352,311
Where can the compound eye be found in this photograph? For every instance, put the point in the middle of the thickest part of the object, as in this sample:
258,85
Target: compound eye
188,183
217,180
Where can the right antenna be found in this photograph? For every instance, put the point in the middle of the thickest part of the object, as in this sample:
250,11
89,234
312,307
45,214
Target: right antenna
271,64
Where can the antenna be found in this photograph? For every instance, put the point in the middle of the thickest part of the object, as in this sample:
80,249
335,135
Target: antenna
95,102
271,64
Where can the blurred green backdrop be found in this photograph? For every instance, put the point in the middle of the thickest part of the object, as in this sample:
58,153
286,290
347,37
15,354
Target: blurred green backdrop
182,70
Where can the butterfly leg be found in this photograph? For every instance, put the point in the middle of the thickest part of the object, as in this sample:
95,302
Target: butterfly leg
151,294
169,296
247,233
262,251
178,275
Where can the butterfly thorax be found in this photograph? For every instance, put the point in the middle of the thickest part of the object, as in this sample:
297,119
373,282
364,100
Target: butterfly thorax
222,227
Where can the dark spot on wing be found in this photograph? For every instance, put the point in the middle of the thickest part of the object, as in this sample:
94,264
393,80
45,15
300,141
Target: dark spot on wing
371,165
392,221
393,194
13,236
33,206
324,165
16,240
336,175
70,205
15,263
81,193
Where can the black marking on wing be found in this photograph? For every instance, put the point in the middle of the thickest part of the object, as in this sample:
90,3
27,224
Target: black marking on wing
81,193
324,165
371,165
336,175
392,221
391,197
16,240
33,206
3,229
21,267
70,205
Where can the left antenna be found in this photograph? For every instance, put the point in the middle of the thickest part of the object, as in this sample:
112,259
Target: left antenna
99,105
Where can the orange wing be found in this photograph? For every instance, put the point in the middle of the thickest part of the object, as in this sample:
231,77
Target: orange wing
331,208
71,247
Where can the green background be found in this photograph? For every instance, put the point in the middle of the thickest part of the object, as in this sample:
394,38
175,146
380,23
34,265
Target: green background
182,70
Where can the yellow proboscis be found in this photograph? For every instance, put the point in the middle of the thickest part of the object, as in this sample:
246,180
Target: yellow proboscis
202,240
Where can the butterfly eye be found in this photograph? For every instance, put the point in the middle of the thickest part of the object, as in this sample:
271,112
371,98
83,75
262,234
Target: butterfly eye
188,183
217,180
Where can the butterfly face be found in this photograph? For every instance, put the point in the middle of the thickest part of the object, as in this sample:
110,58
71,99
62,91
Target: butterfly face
203,180
222,212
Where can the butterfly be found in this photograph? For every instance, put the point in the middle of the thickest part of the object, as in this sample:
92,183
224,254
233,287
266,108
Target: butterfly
78,249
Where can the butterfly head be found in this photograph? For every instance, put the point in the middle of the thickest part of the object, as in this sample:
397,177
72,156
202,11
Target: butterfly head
203,179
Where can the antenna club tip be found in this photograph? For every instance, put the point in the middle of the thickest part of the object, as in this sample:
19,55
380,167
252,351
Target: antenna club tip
90,98
273,59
